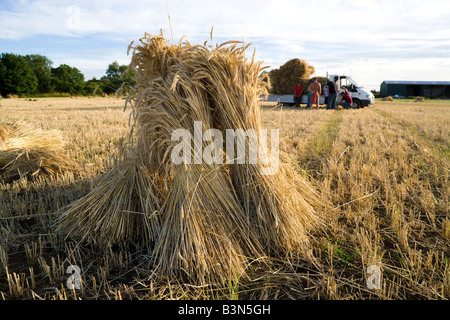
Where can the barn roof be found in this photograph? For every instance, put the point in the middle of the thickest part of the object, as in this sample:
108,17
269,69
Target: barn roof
426,83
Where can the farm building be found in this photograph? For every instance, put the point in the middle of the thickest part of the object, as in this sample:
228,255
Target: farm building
428,89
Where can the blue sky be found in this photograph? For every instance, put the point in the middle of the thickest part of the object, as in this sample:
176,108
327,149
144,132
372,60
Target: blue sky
371,40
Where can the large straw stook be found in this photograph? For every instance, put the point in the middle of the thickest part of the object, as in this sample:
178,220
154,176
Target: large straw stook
206,220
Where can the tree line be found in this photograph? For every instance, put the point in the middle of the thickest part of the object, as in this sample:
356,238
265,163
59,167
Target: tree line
33,75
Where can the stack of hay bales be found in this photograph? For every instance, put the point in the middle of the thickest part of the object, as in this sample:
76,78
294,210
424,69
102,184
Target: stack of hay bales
26,151
204,220
286,77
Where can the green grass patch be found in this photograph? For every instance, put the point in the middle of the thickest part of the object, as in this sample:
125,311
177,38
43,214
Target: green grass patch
321,145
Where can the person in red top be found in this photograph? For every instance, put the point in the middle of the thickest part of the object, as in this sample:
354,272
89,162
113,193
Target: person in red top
298,90
346,99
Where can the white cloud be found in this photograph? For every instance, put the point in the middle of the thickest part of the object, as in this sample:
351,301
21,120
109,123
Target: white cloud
28,18
328,20
362,36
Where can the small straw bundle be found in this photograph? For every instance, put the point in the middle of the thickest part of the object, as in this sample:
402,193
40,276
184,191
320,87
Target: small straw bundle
21,135
202,219
25,151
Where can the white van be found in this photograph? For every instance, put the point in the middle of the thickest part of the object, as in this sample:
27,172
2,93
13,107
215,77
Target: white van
360,96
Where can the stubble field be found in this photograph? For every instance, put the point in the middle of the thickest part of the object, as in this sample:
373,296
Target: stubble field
381,173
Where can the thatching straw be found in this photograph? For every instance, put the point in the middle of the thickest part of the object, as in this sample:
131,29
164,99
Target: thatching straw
25,151
205,220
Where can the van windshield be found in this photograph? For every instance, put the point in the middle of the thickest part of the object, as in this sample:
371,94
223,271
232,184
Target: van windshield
354,83
348,83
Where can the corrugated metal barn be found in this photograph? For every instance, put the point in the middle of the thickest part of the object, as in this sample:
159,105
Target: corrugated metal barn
427,89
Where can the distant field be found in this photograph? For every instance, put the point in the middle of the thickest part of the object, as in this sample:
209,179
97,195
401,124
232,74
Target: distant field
382,173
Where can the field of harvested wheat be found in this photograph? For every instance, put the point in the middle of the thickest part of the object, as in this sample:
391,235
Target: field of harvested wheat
381,175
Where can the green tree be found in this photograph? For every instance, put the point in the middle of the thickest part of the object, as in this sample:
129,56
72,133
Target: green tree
92,87
128,77
42,68
67,79
113,71
116,75
16,75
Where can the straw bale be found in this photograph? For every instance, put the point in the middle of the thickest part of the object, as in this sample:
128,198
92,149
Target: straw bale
286,77
419,99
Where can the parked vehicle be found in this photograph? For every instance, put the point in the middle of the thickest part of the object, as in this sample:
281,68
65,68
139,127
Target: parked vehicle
361,97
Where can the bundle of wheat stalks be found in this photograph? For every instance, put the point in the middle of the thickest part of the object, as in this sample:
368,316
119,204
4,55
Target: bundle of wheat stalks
204,220
27,151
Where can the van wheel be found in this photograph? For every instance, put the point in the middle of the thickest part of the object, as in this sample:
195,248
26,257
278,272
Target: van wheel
356,104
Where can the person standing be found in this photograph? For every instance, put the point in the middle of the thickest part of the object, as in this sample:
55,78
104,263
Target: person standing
316,88
298,90
325,93
333,89
308,89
